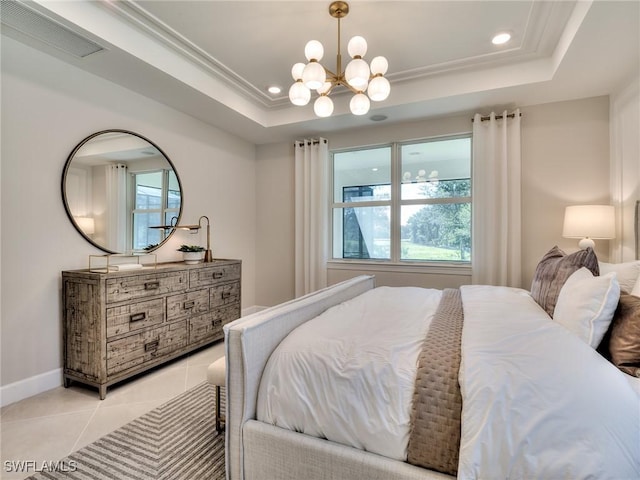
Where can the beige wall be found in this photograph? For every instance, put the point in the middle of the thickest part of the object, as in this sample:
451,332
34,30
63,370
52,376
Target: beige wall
275,224
565,160
48,107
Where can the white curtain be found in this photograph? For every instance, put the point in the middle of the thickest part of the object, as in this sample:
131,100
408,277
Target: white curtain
116,218
311,214
496,223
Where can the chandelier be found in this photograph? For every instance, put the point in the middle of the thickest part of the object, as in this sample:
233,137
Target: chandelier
358,77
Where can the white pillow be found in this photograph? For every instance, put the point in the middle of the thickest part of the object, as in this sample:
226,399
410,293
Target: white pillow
627,273
586,304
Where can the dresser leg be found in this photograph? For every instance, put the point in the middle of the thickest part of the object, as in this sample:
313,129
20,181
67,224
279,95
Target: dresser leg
67,382
103,391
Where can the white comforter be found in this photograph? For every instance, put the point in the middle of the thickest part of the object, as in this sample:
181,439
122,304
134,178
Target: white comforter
348,375
538,402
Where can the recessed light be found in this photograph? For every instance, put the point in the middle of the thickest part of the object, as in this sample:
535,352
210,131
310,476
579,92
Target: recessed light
501,38
274,90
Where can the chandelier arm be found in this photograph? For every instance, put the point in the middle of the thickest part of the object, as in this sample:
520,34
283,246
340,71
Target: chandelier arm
339,56
330,75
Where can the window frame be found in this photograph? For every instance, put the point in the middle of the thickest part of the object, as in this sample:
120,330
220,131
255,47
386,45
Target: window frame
163,210
395,203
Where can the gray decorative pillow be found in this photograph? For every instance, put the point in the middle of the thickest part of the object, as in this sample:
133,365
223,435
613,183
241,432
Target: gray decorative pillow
554,269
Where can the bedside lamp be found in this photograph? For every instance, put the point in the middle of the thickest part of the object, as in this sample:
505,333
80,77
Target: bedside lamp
589,222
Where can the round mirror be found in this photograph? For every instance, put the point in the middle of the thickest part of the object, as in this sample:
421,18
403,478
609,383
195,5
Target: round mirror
121,192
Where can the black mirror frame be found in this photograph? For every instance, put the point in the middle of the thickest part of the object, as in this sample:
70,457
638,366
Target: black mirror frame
64,190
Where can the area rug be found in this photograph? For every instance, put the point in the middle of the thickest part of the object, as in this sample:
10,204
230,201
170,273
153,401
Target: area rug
175,441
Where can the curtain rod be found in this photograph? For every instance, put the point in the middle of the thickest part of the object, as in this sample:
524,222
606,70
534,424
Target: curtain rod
498,117
309,142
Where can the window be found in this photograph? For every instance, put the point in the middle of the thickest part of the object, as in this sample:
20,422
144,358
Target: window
156,201
404,202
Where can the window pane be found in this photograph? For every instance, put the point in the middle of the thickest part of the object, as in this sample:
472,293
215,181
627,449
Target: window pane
439,232
148,190
368,167
144,236
364,232
436,169
173,200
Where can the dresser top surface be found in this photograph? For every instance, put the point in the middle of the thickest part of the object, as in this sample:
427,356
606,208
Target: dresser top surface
151,269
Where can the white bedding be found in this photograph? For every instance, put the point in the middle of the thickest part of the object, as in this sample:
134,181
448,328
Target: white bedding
538,402
348,375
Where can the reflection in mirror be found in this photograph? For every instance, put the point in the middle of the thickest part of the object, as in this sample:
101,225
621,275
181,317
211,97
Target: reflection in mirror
115,186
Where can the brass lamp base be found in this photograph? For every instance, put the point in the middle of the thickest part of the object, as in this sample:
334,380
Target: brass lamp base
208,257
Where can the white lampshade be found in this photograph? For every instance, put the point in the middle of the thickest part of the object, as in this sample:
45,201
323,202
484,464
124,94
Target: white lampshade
378,89
357,47
379,65
589,222
299,94
314,75
313,50
323,106
357,74
359,104
296,71
86,224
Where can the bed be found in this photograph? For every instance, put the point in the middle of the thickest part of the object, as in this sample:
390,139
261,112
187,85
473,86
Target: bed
533,399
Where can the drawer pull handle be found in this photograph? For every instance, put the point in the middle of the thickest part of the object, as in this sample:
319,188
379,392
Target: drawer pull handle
151,346
152,285
188,305
226,295
136,317
217,275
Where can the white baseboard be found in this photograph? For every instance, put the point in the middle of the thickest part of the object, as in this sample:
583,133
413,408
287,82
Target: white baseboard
28,387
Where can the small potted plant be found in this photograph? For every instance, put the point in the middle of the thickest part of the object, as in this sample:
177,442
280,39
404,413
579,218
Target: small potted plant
191,254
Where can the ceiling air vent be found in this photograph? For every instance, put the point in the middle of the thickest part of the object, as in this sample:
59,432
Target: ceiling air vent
35,25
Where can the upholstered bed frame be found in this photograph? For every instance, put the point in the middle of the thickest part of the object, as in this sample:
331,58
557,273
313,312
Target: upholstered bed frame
256,450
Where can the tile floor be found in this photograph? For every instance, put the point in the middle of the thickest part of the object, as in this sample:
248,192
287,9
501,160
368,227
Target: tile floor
51,425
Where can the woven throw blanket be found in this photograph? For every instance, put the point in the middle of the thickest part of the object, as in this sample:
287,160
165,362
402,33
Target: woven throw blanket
434,439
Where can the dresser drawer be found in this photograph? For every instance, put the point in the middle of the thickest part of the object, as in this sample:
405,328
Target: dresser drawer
140,286
208,276
209,325
146,346
224,294
135,316
187,303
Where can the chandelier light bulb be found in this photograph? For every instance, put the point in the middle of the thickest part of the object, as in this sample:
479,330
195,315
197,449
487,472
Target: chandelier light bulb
323,106
357,74
357,47
314,75
299,94
313,50
379,89
379,65
296,71
324,88
359,104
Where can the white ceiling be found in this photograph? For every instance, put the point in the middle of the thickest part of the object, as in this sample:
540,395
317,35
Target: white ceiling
215,59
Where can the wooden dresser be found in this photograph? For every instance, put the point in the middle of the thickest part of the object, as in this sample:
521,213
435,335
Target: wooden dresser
119,324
